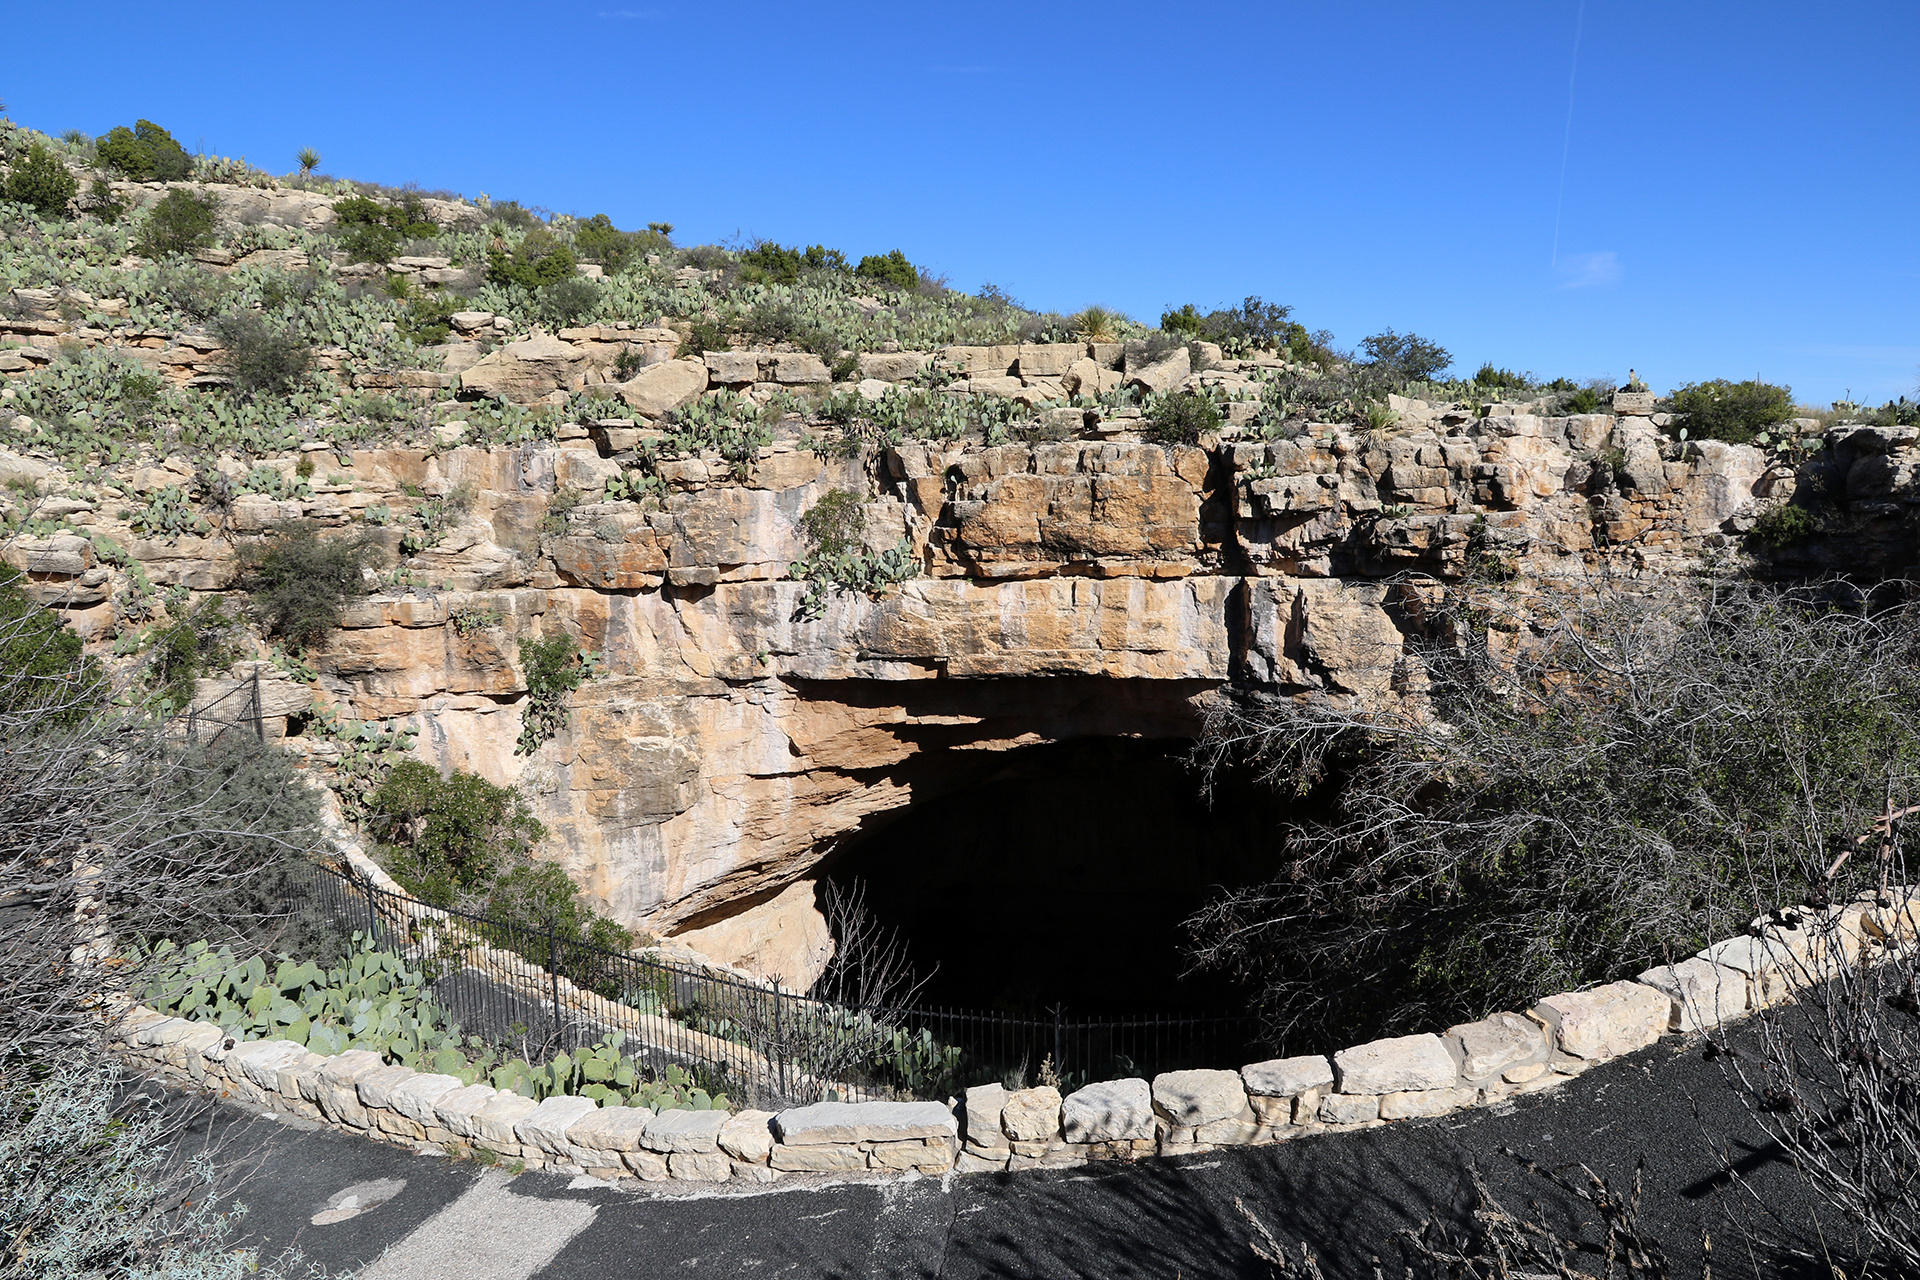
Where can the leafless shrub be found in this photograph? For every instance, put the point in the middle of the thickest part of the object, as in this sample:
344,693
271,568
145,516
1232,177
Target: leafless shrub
840,1037
1499,1242
1579,781
113,831
1836,1085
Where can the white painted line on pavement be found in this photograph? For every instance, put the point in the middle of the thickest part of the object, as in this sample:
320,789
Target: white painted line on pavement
487,1234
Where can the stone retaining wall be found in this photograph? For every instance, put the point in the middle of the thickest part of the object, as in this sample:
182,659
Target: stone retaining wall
1399,1078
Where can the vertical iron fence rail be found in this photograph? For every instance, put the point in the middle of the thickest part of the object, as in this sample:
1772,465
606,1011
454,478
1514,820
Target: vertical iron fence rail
532,992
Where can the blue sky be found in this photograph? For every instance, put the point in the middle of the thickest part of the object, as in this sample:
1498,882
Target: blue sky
1741,194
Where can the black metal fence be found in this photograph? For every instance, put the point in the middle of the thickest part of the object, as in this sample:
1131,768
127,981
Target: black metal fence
535,991
237,709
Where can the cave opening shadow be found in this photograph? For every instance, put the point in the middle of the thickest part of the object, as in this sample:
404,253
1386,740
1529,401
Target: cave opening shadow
1061,875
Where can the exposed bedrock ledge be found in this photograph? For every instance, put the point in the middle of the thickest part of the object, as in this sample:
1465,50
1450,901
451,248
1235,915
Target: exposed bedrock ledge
734,746
1074,590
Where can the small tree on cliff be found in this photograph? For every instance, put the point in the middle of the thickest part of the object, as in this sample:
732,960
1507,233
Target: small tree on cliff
1594,779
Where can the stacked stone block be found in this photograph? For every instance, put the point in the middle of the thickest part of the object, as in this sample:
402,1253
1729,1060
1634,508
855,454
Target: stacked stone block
995,1128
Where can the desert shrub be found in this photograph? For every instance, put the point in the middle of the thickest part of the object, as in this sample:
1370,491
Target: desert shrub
512,215
1252,324
890,268
300,581
39,180
705,336
43,668
100,202
1786,526
1489,376
706,257
262,359
1732,411
144,153
1186,320
180,222
428,318
598,240
190,289
1097,324
765,262
554,667
1583,400
541,897
1620,783
447,837
569,301
1400,358
538,260
371,231
1153,348
195,644
1179,417
836,526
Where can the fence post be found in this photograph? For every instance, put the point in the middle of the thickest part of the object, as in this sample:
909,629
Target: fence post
259,722
779,1047
1057,1065
553,975
373,930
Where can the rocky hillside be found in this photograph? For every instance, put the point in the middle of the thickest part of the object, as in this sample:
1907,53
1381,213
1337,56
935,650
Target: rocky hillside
830,536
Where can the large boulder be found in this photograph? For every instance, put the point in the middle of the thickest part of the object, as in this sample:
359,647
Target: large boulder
528,371
664,387
1163,374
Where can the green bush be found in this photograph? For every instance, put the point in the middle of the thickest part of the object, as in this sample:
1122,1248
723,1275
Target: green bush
180,222
428,318
539,897
1732,411
705,336
1180,417
260,358
1786,526
300,581
537,261
1186,320
1584,400
1254,323
567,302
1489,376
555,668
144,153
39,179
447,838
191,646
598,240
41,661
101,204
836,526
376,232
1405,357
891,268
768,263
706,257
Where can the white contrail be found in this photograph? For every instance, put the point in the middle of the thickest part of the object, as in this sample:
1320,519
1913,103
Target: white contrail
1566,138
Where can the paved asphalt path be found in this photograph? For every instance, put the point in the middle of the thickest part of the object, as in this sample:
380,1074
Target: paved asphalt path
347,1203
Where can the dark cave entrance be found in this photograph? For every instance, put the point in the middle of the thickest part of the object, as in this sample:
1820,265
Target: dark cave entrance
1061,875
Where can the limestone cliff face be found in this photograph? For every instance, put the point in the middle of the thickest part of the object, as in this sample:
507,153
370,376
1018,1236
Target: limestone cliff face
1080,589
